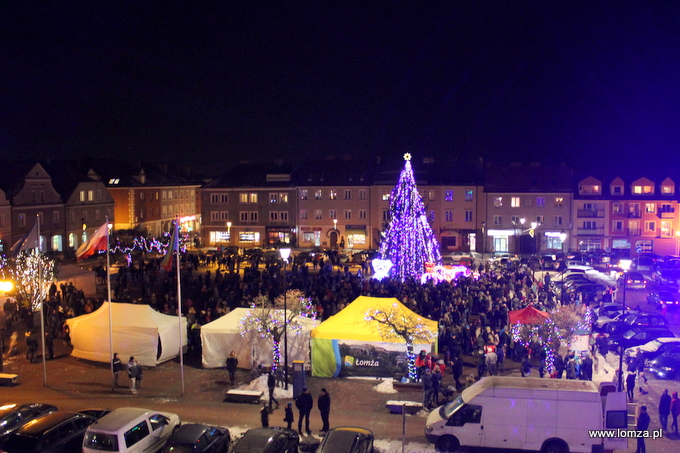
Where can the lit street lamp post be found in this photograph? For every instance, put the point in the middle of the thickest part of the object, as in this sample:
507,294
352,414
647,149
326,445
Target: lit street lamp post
285,254
625,265
563,237
229,231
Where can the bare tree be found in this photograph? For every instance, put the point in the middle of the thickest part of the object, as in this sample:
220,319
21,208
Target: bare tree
268,319
396,324
32,274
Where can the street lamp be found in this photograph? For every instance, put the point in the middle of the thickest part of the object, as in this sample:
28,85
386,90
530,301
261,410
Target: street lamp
625,265
563,237
521,221
229,231
285,254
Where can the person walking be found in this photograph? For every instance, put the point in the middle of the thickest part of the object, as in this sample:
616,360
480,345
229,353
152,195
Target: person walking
642,425
271,385
675,411
132,374
116,365
289,415
587,368
630,385
664,409
490,361
427,389
457,370
232,364
324,405
304,402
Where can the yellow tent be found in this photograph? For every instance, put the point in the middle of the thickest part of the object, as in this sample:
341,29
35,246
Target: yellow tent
348,344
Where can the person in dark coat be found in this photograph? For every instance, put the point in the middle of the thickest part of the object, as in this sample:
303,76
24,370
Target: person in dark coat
664,409
324,405
288,418
587,368
481,364
232,364
304,402
559,366
630,385
116,365
642,425
427,389
457,370
271,385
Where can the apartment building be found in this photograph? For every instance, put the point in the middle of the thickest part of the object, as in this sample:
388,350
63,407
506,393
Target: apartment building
527,209
252,205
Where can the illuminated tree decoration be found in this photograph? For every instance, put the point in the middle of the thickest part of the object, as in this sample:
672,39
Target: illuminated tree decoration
266,319
559,328
395,324
32,274
408,242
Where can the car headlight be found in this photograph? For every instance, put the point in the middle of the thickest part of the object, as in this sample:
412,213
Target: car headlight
428,429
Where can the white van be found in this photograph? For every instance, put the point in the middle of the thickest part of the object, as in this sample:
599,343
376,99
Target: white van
522,413
130,430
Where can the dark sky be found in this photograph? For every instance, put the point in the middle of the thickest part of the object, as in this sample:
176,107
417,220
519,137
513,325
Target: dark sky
595,82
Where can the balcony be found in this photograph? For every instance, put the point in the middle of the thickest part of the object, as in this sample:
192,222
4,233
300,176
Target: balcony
590,231
666,213
634,214
590,213
634,231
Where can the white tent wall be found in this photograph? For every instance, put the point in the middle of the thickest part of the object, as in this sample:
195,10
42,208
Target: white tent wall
82,279
137,330
223,335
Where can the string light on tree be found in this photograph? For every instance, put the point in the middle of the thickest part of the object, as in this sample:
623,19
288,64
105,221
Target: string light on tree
409,242
32,274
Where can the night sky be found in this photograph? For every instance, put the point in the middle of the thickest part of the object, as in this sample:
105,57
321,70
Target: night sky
584,83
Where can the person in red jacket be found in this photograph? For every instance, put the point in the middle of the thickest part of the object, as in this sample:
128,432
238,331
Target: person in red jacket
675,411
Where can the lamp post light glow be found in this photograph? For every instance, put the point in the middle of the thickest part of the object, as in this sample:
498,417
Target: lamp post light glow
229,231
285,254
563,238
625,265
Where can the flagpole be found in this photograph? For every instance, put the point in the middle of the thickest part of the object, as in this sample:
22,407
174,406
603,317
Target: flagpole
42,304
108,291
179,305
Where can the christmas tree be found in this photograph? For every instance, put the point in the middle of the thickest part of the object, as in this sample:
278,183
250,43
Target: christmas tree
409,242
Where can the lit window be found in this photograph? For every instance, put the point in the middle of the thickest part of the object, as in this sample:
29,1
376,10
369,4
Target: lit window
515,202
318,195
303,194
498,202
332,195
448,195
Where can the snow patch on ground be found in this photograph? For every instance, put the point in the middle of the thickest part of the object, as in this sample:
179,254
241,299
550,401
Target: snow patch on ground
260,385
385,387
394,446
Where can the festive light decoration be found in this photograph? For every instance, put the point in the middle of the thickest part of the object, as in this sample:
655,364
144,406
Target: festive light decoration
395,324
148,245
381,268
32,274
267,319
409,242
440,273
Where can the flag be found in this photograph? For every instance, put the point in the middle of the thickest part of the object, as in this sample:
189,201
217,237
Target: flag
166,262
96,243
29,241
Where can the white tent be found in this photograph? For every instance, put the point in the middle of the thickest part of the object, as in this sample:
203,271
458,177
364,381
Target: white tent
138,330
82,279
223,335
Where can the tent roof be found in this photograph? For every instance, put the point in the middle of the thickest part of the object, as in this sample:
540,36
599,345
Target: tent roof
528,315
351,324
128,315
230,323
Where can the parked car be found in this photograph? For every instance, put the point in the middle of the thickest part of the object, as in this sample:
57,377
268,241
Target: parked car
196,438
655,348
14,416
666,276
347,439
633,280
637,319
95,412
636,336
666,366
130,429
661,298
268,440
56,432
303,258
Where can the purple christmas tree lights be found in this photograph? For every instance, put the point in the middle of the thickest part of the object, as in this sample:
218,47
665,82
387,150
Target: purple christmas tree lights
409,242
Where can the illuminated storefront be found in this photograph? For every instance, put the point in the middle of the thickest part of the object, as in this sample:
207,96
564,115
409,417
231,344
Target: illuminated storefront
355,236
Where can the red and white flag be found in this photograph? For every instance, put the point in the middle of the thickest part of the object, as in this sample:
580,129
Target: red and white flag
96,243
